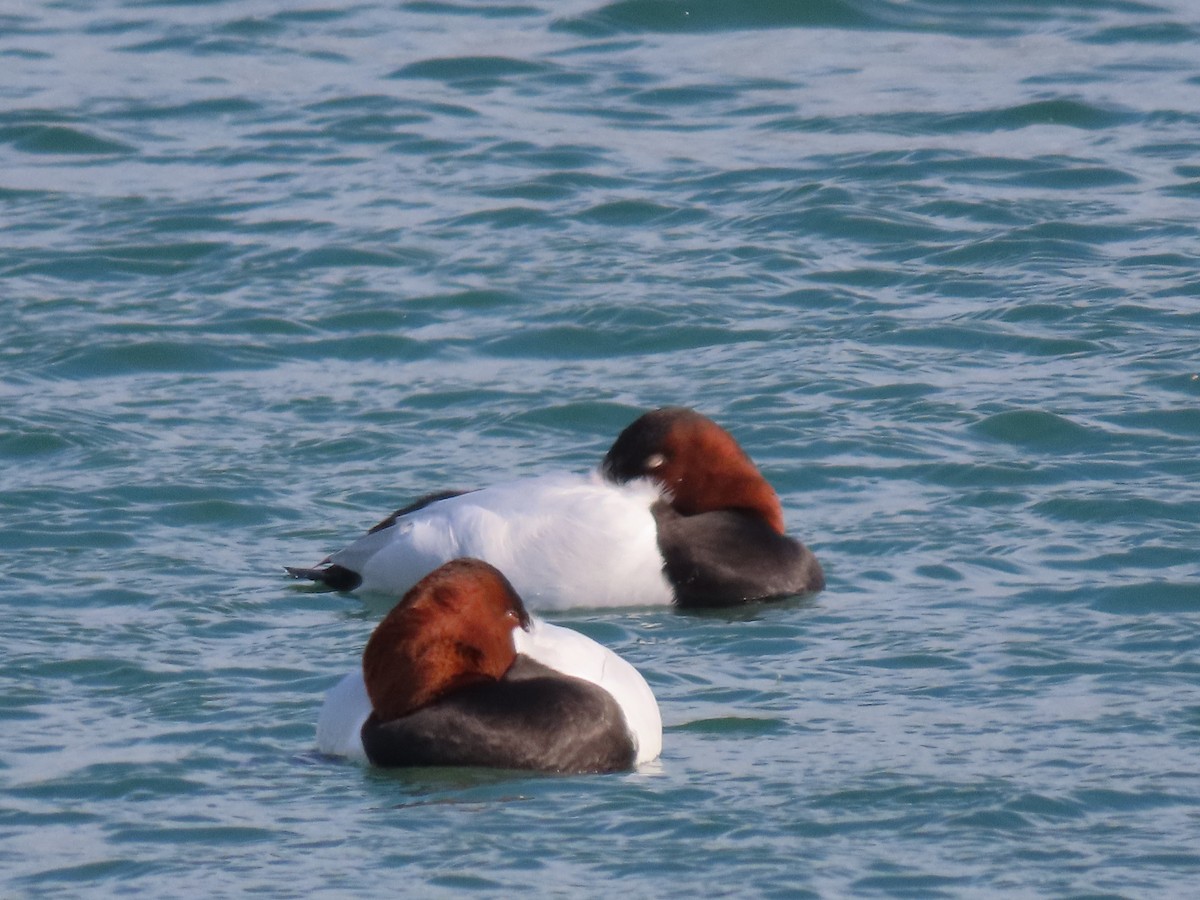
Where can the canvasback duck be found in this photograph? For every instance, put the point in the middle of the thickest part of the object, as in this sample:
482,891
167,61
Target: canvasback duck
676,512
459,674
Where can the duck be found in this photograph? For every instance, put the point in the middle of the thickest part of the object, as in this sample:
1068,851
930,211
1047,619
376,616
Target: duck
675,513
459,673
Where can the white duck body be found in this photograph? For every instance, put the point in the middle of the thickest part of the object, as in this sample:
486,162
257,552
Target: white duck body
563,541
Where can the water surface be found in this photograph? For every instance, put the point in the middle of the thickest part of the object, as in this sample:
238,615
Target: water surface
271,271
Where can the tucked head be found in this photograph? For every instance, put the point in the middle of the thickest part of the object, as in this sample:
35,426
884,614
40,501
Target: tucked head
696,460
453,628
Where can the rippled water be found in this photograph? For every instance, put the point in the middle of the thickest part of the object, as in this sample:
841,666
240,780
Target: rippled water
271,270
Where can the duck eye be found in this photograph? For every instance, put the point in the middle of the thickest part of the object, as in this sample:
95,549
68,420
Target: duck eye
655,461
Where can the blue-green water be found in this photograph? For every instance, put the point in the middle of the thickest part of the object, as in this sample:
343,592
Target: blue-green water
270,269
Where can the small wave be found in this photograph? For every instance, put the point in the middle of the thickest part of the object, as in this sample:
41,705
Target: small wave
60,139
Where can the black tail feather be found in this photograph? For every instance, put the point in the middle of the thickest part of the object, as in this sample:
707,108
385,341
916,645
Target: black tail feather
337,578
